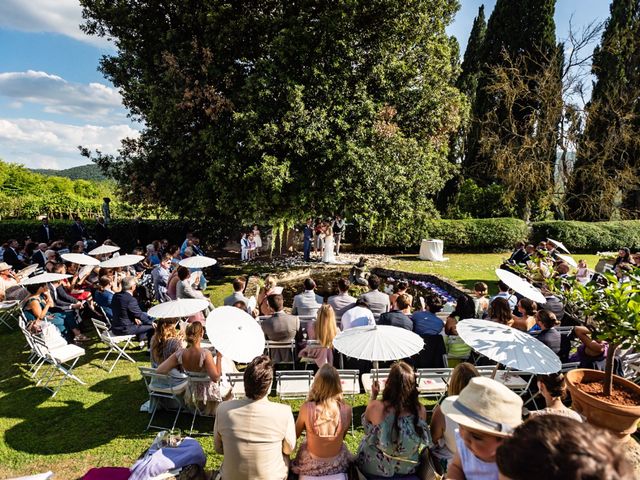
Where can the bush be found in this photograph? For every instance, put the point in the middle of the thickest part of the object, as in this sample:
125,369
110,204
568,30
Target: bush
590,236
474,201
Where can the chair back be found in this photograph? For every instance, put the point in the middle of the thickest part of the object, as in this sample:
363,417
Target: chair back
282,352
236,380
294,383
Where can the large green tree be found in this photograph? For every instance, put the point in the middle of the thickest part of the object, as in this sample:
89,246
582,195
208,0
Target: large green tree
275,109
606,175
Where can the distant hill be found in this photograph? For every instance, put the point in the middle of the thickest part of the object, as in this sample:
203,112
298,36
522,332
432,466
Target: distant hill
83,172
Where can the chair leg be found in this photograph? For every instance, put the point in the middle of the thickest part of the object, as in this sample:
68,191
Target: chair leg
67,373
153,412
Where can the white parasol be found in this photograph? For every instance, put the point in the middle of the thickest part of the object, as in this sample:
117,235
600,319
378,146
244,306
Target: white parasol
559,245
80,259
26,271
183,307
568,259
252,303
104,250
197,262
44,278
512,348
122,261
235,334
84,271
520,286
378,343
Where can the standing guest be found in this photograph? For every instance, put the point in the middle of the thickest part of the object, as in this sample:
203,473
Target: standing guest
160,277
78,231
527,308
480,300
548,335
378,301
280,327
554,389
338,226
237,295
128,318
395,428
318,231
503,292
325,418
197,250
252,453
165,341
104,295
401,288
308,302
342,301
400,316
252,246
244,247
39,255
45,232
10,255
308,240
583,274
486,413
106,210
357,316
188,241
257,239
553,448
101,231
8,279
269,288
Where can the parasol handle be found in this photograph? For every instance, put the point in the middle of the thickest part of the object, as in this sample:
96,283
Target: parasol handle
495,371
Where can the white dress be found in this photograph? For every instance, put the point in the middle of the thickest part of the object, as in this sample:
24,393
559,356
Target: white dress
329,255
257,239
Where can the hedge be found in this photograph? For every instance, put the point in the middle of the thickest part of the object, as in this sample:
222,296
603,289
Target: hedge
590,236
478,235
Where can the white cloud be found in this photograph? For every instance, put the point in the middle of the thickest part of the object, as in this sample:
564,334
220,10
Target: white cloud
47,144
51,16
90,102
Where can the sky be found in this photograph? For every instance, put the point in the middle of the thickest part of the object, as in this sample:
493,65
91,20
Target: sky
53,98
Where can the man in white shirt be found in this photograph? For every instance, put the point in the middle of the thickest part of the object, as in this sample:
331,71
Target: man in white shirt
307,304
504,293
357,316
255,436
342,301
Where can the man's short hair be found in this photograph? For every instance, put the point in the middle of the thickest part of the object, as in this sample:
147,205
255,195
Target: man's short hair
374,281
503,287
128,283
258,377
183,272
276,302
343,284
309,284
402,301
238,284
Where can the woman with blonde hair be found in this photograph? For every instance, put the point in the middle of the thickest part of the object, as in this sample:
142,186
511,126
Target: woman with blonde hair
326,419
165,341
323,330
443,428
270,283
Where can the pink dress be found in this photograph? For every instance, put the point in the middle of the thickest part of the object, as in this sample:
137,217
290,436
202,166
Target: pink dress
205,395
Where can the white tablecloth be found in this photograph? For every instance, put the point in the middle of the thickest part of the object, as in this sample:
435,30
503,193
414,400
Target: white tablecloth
432,250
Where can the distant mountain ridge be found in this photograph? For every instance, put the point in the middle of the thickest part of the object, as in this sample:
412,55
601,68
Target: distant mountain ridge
83,172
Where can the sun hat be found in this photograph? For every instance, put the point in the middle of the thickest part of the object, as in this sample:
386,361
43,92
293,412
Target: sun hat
5,266
487,406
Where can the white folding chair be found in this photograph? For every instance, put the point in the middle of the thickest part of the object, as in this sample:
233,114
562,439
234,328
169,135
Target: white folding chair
236,380
194,379
350,382
37,356
283,347
433,382
293,383
379,374
9,311
113,341
161,387
39,476
63,359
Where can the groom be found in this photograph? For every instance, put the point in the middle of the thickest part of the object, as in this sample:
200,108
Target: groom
308,239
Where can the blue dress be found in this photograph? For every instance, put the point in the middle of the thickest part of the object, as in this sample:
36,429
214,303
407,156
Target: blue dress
58,319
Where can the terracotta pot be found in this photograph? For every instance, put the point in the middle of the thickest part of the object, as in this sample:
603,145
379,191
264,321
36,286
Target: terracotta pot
620,419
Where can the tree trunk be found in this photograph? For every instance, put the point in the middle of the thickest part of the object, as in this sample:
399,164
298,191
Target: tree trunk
608,370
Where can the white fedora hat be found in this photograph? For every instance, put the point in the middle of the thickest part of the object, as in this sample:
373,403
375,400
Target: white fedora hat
485,405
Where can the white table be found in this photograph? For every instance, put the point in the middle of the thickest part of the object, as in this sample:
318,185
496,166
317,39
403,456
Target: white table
432,250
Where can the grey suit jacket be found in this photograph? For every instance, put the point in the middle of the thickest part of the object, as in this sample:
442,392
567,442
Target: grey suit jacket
184,289
281,327
341,303
236,297
306,304
378,301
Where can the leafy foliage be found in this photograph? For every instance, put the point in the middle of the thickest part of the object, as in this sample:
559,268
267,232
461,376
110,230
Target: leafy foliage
83,172
275,110
590,236
474,201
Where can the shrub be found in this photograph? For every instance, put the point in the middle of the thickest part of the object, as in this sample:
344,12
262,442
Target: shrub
590,236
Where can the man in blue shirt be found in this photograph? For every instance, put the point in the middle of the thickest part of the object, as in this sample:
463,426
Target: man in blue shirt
426,322
504,293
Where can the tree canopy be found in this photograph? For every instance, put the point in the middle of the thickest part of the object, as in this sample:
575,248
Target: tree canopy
273,110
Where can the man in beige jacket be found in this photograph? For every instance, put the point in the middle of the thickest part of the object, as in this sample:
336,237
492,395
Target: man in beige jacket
255,436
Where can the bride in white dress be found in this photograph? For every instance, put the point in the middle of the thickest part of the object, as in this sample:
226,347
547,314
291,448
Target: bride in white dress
329,245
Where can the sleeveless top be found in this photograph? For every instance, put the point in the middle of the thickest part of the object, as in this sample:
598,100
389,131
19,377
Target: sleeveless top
28,313
321,443
472,466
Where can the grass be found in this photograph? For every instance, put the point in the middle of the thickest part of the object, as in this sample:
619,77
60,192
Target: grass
99,424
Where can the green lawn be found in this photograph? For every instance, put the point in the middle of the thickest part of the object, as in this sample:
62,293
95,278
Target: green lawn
99,424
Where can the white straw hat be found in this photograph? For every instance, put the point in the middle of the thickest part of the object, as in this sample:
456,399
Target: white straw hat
485,405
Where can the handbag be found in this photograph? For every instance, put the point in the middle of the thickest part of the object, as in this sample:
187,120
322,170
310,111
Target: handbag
427,468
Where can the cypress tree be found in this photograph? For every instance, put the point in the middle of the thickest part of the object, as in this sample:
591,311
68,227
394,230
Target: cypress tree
606,176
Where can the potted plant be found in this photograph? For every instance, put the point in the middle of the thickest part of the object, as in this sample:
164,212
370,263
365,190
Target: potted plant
611,310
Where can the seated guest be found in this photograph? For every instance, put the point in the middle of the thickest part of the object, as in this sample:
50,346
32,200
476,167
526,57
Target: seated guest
8,279
326,419
237,295
307,303
548,335
270,285
63,303
400,316
51,260
465,308
185,289
552,304
500,312
128,318
592,353
480,300
342,301
443,428
172,284
395,428
324,330
73,285
39,255
624,258
152,256
519,255
527,308
254,435
104,295
400,289
196,359
10,255
357,316
165,341
562,270
36,310
486,413
426,322
503,292
553,448
160,277
280,327
377,301
554,389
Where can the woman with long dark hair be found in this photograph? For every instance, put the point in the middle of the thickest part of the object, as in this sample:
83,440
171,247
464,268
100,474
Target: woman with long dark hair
395,427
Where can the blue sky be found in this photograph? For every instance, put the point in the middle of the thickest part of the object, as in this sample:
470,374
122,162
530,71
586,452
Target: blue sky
52,98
